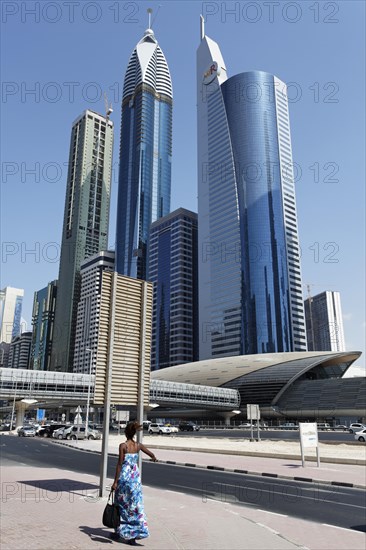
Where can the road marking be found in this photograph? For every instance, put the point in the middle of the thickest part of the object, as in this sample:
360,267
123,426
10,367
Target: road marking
273,513
269,528
343,528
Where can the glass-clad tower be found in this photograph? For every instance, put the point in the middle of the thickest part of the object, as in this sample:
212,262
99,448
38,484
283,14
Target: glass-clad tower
173,270
85,226
250,287
145,154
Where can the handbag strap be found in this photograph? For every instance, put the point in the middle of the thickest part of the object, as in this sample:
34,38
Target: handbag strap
111,494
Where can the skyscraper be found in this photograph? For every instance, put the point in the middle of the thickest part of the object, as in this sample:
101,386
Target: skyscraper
43,317
145,154
250,290
85,227
324,323
11,301
173,269
88,315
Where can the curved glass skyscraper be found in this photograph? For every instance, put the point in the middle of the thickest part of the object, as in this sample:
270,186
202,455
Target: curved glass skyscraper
145,154
250,287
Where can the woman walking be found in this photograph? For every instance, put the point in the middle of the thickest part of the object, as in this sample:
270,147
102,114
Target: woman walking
128,490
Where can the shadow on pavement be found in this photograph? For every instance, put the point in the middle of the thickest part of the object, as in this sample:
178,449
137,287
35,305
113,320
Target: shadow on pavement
97,534
59,486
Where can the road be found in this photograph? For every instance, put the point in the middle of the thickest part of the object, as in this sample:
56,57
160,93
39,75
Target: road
339,506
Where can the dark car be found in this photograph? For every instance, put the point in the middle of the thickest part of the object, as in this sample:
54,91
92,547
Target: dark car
47,431
188,427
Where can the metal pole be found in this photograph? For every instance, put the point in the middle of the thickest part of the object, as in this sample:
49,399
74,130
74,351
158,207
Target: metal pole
141,385
13,410
88,399
107,391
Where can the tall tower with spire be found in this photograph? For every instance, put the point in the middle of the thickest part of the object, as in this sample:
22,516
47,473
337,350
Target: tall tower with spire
250,291
145,153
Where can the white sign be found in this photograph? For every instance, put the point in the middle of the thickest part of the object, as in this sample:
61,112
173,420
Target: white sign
308,434
253,412
309,438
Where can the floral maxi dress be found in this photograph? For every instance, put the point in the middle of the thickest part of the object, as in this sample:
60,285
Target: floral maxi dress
128,496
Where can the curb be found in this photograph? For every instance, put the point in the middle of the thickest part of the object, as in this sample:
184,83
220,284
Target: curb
329,460
235,470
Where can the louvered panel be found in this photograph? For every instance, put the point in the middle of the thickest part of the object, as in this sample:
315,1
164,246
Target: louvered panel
126,342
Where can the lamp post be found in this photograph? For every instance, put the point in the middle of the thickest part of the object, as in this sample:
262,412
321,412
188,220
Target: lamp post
88,398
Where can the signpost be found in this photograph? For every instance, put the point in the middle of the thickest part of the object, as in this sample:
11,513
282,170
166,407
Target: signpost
253,413
309,439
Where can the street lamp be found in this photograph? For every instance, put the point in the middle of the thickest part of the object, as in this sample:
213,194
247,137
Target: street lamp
88,398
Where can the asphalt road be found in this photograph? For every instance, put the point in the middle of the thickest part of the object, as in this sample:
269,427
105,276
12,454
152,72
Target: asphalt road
340,506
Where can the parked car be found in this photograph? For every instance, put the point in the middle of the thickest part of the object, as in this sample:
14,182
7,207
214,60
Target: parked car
78,432
356,427
58,434
323,426
156,428
289,426
27,431
341,428
48,429
188,427
361,436
173,429
244,425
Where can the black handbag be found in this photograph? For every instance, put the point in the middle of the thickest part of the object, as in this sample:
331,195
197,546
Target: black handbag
111,513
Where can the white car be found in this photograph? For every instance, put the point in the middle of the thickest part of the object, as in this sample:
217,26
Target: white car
361,436
356,427
57,434
155,428
173,429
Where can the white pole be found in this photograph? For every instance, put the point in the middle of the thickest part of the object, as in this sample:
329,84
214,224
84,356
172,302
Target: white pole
13,410
88,398
141,382
107,391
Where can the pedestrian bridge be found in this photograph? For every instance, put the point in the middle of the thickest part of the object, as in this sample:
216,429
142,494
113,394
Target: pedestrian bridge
52,389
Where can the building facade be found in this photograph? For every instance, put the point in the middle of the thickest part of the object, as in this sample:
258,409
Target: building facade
145,154
250,286
173,270
43,317
85,227
19,352
88,315
11,301
324,323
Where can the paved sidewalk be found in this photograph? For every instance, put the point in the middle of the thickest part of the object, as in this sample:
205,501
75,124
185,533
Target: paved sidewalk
337,474
45,508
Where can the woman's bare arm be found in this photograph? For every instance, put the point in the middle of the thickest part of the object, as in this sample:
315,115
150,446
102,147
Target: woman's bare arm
148,452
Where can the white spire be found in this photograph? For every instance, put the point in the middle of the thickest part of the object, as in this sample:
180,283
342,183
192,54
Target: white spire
202,27
149,11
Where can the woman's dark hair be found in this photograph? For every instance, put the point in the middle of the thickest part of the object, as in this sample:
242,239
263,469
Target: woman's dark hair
131,429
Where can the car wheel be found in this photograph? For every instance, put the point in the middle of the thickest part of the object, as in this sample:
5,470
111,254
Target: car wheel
361,438
73,437
91,437
351,431
59,436
150,432
160,432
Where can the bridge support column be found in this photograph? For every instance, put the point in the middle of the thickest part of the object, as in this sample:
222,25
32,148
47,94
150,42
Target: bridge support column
21,407
227,415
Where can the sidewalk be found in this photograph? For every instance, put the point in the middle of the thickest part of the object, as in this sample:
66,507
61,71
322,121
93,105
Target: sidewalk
45,508
288,467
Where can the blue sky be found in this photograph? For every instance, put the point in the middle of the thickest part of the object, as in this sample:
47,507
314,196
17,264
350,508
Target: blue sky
69,54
